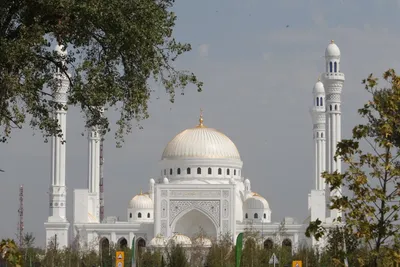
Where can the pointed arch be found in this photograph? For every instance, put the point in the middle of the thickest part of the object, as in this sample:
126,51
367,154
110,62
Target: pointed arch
268,244
330,67
122,243
104,245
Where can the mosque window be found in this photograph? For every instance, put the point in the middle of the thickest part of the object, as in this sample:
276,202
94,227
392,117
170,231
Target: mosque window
322,135
178,171
188,170
165,172
148,215
198,170
209,171
228,171
234,172
139,215
335,65
330,107
130,215
320,101
265,216
317,135
170,171
330,66
219,171
246,216
335,107
255,215
317,101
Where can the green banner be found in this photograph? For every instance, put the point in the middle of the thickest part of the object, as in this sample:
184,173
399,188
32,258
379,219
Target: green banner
239,246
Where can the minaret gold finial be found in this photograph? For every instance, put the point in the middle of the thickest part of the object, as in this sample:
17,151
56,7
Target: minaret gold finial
201,120
332,41
319,78
141,191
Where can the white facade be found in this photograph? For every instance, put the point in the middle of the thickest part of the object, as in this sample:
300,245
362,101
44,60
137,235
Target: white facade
201,187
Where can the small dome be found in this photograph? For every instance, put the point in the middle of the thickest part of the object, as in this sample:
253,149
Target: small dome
319,87
165,180
181,240
152,181
332,50
256,202
158,241
201,142
247,181
141,201
203,242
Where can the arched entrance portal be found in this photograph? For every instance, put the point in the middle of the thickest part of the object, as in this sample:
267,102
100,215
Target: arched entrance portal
194,221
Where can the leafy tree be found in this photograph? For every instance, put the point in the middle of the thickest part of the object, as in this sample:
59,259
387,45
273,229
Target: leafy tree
371,209
341,244
221,253
10,253
114,48
176,256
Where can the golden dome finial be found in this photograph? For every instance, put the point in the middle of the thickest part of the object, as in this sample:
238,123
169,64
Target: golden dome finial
319,78
332,41
141,193
201,120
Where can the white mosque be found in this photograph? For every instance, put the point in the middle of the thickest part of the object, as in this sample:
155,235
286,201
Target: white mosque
201,185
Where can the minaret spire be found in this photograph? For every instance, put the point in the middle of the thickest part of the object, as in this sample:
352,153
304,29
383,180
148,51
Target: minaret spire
333,81
319,136
94,141
57,224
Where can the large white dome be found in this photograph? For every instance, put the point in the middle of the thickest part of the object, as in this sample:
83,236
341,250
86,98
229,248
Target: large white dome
200,142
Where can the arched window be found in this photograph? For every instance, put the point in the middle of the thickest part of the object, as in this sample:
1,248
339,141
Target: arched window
165,172
335,107
170,171
219,171
335,66
148,215
178,171
139,215
317,101
330,107
265,216
234,172
188,170
209,171
198,170
317,135
141,243
322,135
287,243
246,216
255,215
268,244
321,102
330,66
123,243
228,171
130,215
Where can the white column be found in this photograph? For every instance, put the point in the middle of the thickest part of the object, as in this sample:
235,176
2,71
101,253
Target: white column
57,225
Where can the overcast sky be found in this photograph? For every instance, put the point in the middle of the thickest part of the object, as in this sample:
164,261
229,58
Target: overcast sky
259,61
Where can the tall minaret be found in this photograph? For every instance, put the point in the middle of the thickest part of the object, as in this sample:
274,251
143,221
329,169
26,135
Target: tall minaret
333,81
57,224
318,119
94,138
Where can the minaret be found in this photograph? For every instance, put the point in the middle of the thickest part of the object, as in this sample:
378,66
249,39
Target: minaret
319,137
57,224
333,81
94,140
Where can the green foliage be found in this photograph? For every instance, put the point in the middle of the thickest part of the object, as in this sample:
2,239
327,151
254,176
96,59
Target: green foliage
10,253
373,175
114,48
176,256
221,253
